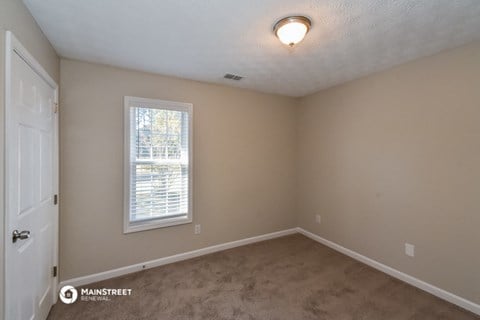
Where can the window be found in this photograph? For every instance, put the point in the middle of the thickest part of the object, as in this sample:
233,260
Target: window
158,164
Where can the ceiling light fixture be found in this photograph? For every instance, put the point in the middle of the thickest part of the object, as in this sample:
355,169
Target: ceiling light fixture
292,30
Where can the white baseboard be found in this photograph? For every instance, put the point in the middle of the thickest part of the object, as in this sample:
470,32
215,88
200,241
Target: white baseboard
442,294
81,281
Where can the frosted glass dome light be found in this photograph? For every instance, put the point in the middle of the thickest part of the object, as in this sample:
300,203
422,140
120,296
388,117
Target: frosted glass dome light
292,30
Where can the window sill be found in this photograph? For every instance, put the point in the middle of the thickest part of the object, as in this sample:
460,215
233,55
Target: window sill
155,224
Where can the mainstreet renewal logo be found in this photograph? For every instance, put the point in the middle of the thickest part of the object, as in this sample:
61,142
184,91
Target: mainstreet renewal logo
68,294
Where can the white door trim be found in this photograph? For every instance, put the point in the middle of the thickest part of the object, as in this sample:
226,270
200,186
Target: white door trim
13,46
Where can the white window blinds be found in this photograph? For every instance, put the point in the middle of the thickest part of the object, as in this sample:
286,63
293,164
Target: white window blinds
159,162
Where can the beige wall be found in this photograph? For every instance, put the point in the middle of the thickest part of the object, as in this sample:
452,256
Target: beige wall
16,18
395,158
243,166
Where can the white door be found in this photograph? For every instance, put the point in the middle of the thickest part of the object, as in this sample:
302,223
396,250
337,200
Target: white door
30,186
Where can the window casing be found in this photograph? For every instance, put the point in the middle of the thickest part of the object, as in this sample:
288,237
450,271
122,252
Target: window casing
158,164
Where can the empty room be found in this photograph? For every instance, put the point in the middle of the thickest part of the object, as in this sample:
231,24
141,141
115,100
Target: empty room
251,160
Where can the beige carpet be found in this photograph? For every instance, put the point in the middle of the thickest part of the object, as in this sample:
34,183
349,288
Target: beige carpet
286,278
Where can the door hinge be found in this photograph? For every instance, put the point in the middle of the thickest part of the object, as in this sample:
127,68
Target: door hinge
54,272
55,107
55,199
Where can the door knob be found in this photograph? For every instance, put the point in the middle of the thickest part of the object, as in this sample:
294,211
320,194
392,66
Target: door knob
20,235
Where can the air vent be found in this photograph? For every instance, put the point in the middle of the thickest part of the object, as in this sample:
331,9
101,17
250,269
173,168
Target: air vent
232,77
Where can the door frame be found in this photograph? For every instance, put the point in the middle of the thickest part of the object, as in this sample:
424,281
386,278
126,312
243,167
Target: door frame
13,46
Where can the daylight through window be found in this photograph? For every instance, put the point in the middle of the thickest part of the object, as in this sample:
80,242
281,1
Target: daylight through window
159,173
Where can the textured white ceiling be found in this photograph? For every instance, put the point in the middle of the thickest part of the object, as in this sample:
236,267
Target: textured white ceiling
203,40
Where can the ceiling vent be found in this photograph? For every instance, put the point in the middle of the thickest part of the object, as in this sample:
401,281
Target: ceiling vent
232,77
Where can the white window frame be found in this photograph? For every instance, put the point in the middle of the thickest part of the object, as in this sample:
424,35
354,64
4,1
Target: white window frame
130,102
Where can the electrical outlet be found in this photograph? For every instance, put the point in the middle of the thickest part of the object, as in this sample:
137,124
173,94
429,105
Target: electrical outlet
198,229
318,218
409,250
